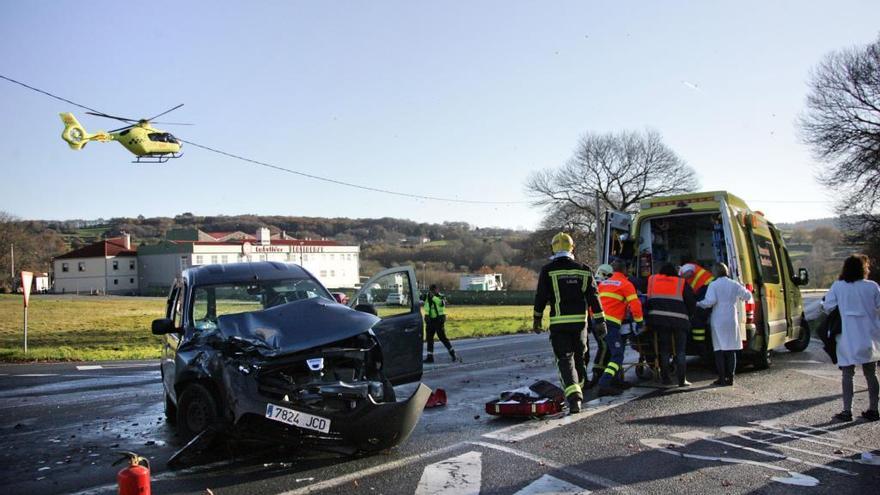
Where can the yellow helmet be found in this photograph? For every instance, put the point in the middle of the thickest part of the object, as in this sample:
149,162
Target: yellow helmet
562,242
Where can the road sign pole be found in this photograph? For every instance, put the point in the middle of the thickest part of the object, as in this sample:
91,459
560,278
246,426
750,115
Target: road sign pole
25,329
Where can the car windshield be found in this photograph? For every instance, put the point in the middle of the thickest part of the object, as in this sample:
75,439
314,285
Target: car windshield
213,301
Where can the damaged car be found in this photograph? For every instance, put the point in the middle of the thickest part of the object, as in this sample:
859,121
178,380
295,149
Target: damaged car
263,351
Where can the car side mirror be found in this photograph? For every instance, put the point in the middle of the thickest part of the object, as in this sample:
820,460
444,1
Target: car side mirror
366,308
803,277
163,326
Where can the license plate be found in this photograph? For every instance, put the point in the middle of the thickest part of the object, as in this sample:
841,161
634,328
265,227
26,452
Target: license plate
297,418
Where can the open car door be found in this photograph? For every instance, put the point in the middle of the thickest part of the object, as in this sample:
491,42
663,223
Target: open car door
392,296
617,237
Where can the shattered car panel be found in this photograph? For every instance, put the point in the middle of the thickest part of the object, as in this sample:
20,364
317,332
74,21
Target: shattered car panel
311,356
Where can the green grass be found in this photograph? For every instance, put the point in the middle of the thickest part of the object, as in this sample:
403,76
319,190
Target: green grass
86,328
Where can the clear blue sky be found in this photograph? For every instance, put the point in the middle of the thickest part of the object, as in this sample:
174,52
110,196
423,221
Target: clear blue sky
438,98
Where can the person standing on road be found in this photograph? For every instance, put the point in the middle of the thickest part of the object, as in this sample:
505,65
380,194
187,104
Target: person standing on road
669,308
858,301
435,322
568,287
722,297
698,278
618,296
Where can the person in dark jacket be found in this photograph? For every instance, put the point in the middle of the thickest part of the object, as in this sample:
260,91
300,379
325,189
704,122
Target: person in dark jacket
568,287
670,306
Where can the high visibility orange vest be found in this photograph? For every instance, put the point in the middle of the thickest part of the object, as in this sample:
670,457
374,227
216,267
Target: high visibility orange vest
616,293
666,298
700,278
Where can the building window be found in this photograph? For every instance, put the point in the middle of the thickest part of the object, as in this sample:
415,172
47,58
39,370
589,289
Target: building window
355,256
332,273
131,265
81,266
332,256
262,257
323,273
115,281
115,265
64,267
224,259
305,257
131,280
199,260
214,259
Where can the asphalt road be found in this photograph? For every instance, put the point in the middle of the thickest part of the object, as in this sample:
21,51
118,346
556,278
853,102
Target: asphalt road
771,433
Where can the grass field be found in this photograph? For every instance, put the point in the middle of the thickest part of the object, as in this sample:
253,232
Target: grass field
85,328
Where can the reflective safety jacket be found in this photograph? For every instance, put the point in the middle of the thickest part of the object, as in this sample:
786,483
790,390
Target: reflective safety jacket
568,287
435,306
700,278
616,294
670,303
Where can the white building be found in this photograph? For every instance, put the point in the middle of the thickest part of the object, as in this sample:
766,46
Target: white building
336,266
104,267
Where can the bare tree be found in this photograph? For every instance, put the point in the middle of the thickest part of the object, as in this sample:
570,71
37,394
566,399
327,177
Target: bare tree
622,168
842,126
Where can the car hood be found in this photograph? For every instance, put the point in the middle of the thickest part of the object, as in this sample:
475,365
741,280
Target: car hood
294,326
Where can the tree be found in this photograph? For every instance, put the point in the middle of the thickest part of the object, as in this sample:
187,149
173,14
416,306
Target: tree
842,125
622,168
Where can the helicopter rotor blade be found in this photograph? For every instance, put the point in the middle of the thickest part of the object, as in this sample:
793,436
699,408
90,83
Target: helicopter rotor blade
163,113
121,129
170,123
108,116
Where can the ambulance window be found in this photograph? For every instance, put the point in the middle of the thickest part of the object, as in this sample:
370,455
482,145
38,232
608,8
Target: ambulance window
767,259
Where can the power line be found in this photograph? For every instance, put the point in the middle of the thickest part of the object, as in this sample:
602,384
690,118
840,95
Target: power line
288,170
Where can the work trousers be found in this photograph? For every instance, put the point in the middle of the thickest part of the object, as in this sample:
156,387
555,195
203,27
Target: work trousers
699,322
614,344
569,347
666,336
600,361
870,372
436,326
725,365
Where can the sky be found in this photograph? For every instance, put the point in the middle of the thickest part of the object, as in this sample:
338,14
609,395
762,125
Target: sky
460,100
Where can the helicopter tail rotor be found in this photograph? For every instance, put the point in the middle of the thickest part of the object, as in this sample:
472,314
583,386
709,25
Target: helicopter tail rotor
75,134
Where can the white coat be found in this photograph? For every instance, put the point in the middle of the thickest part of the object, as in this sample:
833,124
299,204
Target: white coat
859,303
722,296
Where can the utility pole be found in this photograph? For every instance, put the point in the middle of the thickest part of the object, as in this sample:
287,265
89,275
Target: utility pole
599,246
12,263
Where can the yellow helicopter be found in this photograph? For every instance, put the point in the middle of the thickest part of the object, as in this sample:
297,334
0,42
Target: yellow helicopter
149,145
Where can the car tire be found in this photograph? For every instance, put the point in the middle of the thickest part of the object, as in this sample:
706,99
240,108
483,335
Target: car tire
800,344
170,411
196,411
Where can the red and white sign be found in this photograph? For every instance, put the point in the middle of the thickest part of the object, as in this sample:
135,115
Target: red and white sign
27,279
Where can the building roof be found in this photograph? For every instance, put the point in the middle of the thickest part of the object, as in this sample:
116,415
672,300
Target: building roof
114,246
275,242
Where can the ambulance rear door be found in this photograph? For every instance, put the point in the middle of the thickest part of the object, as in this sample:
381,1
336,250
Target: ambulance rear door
769,289
617,236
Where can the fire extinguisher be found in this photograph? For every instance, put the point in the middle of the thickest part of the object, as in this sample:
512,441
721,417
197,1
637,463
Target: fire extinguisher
133,479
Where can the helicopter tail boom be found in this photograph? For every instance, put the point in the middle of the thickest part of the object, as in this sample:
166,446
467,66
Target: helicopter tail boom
75,134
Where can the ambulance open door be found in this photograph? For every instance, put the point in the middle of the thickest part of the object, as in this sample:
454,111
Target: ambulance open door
617,237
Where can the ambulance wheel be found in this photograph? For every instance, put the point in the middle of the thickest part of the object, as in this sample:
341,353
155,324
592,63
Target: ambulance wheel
800,344
196,411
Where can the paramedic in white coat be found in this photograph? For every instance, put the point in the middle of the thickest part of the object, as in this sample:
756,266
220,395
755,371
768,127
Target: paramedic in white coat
722,296
858,300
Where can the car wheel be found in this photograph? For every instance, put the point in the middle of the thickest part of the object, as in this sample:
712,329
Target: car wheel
170,410
801,343
196,411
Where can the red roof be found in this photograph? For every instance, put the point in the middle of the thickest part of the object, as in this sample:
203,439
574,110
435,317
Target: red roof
108,247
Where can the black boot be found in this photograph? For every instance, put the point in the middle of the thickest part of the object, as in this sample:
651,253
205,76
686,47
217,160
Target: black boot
574,404
452,355
429,359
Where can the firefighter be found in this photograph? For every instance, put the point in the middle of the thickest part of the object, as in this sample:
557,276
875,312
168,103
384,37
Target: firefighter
435,322
698,278
670,304
617,295
567,286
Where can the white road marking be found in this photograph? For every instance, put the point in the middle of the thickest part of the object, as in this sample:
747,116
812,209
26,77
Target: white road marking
738,431
458,475
707,437
38,374
793,478
808,437
548,485
573,472
89,367
528,429
350,477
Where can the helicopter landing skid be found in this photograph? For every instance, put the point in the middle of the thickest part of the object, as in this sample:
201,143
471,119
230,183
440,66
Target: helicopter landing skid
157,158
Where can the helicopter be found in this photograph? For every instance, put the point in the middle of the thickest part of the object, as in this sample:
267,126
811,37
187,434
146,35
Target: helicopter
148,144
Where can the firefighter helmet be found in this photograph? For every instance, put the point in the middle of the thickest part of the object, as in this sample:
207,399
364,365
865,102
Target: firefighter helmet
562,242
604,272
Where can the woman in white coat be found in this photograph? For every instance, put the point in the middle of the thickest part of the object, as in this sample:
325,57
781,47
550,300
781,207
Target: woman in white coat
722,296
858,301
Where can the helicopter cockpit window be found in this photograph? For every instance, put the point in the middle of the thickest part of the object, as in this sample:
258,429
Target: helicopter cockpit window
123,133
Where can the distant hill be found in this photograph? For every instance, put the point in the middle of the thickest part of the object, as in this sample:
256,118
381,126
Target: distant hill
811,224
